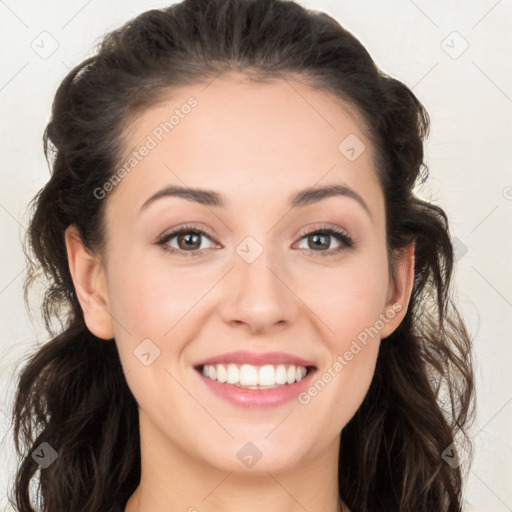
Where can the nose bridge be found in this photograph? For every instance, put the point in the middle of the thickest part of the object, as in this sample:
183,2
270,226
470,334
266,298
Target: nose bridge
257,294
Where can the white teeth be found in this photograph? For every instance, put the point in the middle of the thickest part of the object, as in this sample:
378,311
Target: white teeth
281,374
222,374
290,374
248,375
255,377
233,374
267,375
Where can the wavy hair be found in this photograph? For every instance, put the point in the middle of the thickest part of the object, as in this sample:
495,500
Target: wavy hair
72,392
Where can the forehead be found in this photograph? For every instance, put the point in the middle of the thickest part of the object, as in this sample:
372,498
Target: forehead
248,140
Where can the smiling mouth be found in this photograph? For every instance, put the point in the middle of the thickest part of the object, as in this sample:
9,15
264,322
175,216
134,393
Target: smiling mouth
248,376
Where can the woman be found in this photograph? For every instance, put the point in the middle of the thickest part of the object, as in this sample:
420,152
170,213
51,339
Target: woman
256,305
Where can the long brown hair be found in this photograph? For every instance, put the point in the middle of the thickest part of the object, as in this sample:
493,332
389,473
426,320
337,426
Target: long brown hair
72,393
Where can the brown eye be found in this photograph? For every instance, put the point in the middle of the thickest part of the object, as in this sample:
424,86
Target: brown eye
320,240
189,241
185,241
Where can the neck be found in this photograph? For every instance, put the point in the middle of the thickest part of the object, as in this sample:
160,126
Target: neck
172,480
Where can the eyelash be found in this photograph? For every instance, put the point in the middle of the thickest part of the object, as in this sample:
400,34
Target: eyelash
346,242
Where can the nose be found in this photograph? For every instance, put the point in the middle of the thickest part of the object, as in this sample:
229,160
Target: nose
258,295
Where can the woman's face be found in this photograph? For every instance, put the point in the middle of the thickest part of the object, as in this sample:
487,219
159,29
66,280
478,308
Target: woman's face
259,297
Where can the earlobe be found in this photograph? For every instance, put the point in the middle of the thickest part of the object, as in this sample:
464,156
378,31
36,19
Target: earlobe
400,291
90,285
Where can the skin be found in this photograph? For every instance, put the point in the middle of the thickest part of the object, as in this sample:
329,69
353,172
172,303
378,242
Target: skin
256,144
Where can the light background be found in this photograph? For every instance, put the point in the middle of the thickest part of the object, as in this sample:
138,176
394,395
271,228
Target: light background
468,94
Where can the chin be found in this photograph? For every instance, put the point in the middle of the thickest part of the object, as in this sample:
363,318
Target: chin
255,455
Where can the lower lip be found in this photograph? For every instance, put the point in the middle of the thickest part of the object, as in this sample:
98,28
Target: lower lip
257,398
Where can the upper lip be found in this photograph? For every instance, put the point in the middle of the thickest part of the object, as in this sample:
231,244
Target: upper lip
256,359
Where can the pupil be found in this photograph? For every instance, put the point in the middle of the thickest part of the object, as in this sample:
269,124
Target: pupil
320,244
190,239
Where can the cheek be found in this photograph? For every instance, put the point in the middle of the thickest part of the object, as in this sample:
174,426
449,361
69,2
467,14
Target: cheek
350,303
150,299
347,298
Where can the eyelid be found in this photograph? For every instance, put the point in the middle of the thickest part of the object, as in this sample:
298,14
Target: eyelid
322,227
163,240
171,233
342,235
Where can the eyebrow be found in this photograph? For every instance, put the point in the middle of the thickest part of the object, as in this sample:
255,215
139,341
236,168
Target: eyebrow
299,199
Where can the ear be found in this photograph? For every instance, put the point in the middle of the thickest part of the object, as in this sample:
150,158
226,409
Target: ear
399,291
90,285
